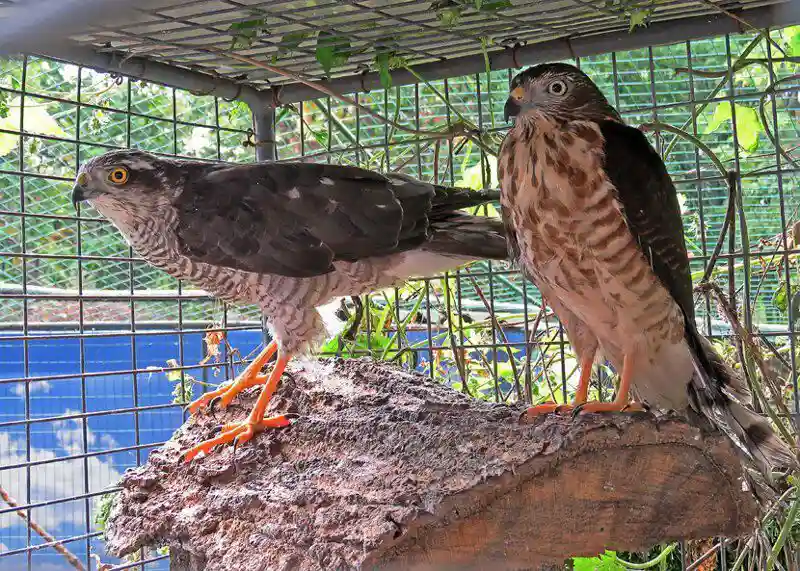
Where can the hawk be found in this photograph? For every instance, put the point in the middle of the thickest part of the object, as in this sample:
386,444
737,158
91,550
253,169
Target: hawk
288,237
593,219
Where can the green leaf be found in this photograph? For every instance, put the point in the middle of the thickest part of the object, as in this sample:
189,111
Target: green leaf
722,113
793,34
779,299
473,176
37,120
3,104
748,127
748,124
639,18
448,12
493,5
382,62
332,50
291,41
606,562
478,4
245,33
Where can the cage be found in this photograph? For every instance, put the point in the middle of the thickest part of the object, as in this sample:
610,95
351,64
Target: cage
99,352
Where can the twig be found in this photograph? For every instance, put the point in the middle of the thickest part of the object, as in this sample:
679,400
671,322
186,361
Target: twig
700,560
749,48
743,22
455,130
498,328
736,67
358,308
729,215
770,90
59,547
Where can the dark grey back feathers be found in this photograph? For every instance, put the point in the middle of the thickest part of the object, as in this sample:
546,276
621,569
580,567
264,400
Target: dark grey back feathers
296,219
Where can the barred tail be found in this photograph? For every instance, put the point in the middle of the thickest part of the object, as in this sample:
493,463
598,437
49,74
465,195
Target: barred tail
475,237
720,396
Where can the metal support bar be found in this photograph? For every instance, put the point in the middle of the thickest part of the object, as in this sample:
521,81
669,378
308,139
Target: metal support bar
658,33
266,151
264,125
172,76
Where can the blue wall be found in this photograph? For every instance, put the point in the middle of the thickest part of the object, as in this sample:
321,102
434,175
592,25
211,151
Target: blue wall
58,439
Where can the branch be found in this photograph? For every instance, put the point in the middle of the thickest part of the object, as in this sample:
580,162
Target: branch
387,470
58,546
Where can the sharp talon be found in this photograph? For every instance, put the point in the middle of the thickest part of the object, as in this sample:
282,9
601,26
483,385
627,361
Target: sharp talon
212,404
577,410
217,429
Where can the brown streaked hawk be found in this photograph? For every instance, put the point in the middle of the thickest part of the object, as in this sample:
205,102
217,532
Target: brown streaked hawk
592,217
289,237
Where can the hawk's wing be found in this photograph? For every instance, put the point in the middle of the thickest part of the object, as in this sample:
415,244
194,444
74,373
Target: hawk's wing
650,205
296,219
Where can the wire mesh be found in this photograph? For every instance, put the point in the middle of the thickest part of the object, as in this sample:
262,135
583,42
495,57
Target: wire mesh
98,349
193,33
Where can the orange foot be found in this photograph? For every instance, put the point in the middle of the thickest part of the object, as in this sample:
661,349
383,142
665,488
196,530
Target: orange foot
237,433
613,406
580,395
620,404
240,433
250,377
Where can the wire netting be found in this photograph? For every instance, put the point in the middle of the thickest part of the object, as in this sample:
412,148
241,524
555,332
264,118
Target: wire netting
99,352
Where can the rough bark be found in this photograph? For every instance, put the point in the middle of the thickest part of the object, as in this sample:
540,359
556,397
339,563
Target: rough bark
386,470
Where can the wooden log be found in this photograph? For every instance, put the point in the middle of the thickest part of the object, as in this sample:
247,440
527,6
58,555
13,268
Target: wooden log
387,470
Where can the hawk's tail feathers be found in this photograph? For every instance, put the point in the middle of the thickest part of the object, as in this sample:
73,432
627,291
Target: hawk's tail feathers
453,198
720,396
467,236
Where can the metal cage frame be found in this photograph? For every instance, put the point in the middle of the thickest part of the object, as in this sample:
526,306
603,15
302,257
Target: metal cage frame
581,40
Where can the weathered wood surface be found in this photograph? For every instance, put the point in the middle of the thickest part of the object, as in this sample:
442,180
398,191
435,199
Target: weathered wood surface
386,470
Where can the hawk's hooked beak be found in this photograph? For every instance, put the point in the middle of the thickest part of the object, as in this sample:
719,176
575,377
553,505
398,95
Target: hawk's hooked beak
513,105
79,192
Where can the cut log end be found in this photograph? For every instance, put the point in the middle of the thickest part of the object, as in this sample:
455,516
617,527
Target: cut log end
387,470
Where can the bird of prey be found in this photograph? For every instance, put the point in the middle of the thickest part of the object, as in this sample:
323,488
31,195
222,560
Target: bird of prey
288,237
593,219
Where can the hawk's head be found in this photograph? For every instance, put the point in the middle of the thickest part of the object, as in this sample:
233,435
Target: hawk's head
558,91
129,180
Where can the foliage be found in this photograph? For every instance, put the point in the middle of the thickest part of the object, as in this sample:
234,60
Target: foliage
332,50
103,510
748,125
290,42
245,33
605,562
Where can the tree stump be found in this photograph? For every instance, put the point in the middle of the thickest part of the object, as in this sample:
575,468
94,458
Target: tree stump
387,470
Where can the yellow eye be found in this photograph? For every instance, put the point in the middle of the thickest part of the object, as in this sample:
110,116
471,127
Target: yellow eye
118,176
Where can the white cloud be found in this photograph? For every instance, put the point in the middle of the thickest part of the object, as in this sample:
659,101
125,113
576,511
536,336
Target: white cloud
57,480
37,387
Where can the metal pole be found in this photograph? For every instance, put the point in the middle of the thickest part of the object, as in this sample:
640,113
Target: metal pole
266,151
264,126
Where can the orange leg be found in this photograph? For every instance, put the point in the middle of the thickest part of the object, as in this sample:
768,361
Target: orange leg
621,402
250,377
580,395
243,432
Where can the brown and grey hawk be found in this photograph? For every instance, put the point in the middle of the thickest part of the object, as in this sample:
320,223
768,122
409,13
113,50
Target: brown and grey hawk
592,217
288,237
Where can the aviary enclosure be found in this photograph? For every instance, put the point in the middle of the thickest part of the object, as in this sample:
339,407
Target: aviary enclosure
100,352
